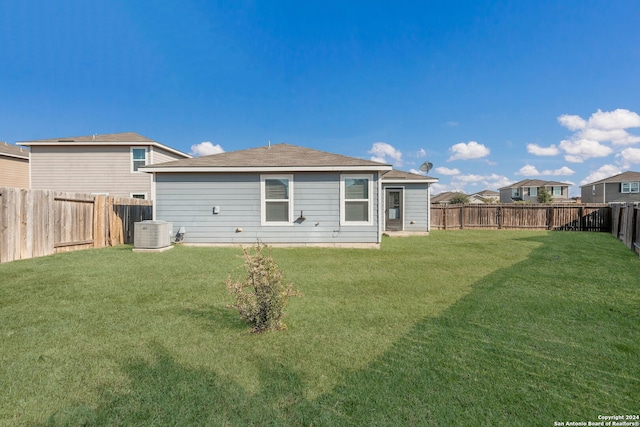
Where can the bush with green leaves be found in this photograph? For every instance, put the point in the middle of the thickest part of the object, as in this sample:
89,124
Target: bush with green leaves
459,198
260,298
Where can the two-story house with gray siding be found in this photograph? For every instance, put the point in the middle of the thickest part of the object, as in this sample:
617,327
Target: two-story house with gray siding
527,191
97,164
14,166
621,188
287,194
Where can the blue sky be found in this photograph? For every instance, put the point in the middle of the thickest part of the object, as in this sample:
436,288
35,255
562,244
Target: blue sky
490,92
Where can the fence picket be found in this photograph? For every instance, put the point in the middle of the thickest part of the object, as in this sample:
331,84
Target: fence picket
35,223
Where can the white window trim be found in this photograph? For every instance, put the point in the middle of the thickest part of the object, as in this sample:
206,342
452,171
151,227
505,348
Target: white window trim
553,191
343,177
629,189
515,192
533,191
263,201
146,157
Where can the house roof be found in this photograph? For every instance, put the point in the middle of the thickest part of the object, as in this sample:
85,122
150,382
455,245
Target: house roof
277,157
487,193
397,176
123,138
443,197
621,177
8,150
535,183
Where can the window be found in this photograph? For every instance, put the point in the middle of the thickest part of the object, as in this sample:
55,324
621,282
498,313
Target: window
533,191
138,158
277,203
630,187
557,191
593,190
355,195
515,192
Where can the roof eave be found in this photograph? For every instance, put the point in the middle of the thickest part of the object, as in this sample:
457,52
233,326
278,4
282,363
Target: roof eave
409,181
235,169
105,143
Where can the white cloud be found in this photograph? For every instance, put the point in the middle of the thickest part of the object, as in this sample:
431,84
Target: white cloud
446,171
385,153
421,153
552,150
418,172
452,123
616,119
628,157
529,170
601,127
572,122
471,150
601,173
579,150
205,148
493,181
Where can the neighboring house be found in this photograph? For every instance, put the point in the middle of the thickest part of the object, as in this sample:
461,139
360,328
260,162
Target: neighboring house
443,198
14,166
287,194
527,191
99,164
621,188
485,196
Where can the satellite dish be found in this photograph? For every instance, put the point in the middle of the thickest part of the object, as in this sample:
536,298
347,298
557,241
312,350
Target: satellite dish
426,167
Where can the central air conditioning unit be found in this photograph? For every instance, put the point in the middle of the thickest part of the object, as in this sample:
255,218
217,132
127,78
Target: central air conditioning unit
152,234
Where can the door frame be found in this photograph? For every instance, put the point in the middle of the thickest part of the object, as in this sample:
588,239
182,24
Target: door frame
386,210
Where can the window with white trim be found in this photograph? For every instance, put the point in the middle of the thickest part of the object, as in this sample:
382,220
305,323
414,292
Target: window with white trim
138,157
515,192
557,191
356,199
630,187
533,191
276,199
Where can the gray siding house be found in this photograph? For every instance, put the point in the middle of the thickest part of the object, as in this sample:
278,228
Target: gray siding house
527,191
621,188
14,166
98,164
282,194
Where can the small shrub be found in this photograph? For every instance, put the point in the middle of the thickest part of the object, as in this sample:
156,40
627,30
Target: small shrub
261,296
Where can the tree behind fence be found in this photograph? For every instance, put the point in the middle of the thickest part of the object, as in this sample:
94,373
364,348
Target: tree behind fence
35,223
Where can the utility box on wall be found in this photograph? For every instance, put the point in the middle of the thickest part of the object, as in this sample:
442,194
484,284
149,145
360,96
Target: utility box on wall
152,234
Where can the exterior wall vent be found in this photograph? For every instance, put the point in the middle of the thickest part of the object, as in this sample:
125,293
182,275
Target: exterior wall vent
152,234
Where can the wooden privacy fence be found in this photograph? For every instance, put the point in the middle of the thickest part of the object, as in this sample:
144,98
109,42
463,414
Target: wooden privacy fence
625,225
35,223
578,217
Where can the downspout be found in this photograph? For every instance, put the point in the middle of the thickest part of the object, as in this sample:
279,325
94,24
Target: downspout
428,207
380,212
153,195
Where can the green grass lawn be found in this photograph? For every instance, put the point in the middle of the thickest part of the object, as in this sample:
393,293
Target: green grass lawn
458,328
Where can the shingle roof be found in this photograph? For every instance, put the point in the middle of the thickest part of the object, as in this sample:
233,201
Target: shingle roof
621,177
13,151
397,175
123,138
273,156
443,197
107,137
535,183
